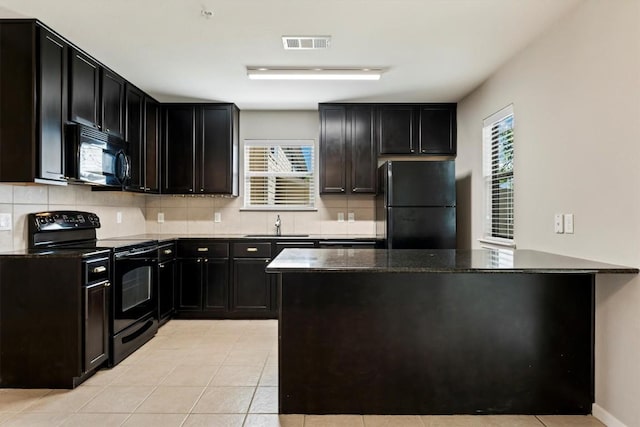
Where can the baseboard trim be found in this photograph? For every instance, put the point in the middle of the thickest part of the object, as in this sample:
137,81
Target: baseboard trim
605,417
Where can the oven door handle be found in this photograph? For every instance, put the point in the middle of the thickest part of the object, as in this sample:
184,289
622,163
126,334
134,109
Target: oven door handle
137,254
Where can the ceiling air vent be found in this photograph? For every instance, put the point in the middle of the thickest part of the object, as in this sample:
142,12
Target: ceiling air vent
306,42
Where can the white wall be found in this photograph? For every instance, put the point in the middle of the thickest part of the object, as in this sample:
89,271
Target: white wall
194,215
576,96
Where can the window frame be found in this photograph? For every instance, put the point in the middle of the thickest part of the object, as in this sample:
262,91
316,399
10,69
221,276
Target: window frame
247,206
489,236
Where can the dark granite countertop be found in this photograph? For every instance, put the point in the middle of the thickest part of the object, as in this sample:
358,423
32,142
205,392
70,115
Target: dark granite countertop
435,261
167,237
57,252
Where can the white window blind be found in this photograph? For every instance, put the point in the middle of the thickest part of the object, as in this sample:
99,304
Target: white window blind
279,174
498,144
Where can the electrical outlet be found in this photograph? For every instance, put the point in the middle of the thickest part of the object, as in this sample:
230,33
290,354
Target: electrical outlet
118,217
568,223
160,217
217,217
5,221
351,217
340,216
558,224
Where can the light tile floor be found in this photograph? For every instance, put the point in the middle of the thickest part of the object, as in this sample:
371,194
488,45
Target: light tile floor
208,373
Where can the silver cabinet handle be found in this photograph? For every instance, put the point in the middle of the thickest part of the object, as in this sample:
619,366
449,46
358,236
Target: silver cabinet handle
168,251
252,249
203,249
100,269
161,266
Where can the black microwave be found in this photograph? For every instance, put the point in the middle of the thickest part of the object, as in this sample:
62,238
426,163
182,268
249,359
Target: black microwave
95,157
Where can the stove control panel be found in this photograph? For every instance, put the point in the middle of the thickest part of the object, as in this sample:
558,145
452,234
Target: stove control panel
64,220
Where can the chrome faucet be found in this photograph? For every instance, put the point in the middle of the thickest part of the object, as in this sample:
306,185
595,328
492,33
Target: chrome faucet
278,223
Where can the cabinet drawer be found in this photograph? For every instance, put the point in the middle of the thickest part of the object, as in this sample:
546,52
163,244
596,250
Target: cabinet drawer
96,270
166,252
203,249
252,250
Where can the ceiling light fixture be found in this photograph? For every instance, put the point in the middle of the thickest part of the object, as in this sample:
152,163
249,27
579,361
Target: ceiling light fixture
266,73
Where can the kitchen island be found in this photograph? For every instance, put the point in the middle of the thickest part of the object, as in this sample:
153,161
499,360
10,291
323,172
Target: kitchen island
368,331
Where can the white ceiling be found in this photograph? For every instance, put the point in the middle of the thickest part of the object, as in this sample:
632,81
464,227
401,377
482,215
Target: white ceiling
433,50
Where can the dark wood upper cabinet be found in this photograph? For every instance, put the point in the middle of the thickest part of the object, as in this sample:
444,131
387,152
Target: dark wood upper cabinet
178,158
113,112
84,93
348,160
134,136
396,129
200,154
333,149
217,149
362,149
33,104
438,129
152,145
52,75
427,129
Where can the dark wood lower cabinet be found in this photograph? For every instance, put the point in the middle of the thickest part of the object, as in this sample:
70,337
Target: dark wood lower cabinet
251,285
215,284
166,284
96,325
189,292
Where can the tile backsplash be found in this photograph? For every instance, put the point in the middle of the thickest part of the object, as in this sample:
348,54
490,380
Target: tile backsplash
21,199
195,215
182,215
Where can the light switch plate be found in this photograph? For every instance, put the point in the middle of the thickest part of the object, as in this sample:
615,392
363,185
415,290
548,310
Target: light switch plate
5,221
351,217
558,224
118,217
217,217
340,216
160,217
568,223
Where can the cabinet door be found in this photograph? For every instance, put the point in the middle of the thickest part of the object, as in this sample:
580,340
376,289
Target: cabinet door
179,149
216,278
166,283
135,110
251,285
333,140
96,325
112,103
85,90
396,129
215,156
437,130
52,104
152,145
189,292
362,150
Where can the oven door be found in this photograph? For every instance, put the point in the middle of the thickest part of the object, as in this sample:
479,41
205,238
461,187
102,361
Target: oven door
135,291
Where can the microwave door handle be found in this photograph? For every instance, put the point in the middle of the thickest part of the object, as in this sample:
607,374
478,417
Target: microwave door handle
123,167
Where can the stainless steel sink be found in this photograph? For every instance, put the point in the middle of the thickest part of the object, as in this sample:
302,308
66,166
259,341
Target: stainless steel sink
274,236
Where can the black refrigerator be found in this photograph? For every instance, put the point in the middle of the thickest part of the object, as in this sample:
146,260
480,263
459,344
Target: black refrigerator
416,205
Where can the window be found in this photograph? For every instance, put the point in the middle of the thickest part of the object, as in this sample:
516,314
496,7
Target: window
497,142
279,174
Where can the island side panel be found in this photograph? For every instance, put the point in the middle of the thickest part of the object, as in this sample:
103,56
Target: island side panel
426,343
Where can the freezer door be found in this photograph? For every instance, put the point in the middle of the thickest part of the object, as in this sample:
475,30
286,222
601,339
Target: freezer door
425,183
421,228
